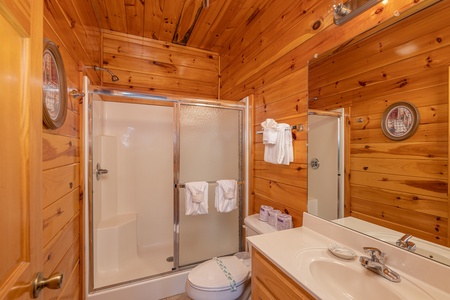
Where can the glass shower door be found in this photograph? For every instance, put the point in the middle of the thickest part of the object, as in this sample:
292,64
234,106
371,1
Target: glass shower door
210,150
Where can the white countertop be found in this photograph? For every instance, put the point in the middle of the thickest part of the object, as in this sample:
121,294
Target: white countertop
281,248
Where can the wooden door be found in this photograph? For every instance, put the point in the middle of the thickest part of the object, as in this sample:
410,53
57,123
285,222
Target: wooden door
20,150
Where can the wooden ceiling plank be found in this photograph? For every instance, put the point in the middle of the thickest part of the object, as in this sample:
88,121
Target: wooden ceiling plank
86,13
153,17
86,27
75,40
187,21
99,8
171,13
210,17
291,32
237,25
134,10
273,18
115,12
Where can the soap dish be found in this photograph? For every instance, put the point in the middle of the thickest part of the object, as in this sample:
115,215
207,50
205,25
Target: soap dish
341,251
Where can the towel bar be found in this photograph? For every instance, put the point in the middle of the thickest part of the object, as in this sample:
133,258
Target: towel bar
182,185
298,127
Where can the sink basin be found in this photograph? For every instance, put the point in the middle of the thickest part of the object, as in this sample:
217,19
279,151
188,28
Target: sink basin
330,277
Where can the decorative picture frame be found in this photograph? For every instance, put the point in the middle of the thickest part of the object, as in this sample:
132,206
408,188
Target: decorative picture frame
400,121
54,86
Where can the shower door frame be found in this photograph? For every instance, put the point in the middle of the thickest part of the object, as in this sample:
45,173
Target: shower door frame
89,91
339,115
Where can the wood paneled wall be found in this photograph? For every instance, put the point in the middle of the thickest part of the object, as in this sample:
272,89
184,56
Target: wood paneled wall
270,60
159,68
402,185
69,24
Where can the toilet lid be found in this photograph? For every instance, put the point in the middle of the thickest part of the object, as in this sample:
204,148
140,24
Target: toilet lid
219,273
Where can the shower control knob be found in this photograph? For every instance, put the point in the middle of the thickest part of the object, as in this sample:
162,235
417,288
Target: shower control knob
99,171
314,163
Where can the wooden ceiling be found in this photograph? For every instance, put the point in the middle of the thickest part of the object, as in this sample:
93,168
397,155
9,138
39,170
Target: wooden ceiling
191,23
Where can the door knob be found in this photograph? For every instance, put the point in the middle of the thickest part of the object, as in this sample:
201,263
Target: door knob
54,282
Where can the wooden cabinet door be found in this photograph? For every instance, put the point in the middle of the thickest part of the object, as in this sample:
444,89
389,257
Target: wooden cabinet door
20,152
270,283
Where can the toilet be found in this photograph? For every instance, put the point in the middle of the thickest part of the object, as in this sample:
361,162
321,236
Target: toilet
226,277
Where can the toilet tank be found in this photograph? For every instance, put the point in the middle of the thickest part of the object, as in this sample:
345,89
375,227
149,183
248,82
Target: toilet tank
254,226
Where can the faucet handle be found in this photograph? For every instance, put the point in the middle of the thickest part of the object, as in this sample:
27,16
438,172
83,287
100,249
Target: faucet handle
404,242
375,253
405,238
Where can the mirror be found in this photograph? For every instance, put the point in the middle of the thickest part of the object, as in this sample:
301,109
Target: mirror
390,187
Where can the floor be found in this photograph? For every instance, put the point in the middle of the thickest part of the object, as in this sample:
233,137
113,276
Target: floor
178,297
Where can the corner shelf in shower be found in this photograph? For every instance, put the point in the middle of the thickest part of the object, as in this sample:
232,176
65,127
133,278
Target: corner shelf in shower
117,220
116,241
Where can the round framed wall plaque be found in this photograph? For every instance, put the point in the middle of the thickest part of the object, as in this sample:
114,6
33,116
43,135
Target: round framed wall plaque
400,121
54,97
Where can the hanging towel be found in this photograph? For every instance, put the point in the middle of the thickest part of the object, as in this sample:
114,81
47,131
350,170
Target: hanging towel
287,149
282,152
226,194
196,198
270,132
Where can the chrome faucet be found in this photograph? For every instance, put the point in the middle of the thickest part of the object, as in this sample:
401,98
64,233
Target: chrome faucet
404,243
375,263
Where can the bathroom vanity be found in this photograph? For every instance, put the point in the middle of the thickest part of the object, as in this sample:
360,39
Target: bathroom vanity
299,264
269,282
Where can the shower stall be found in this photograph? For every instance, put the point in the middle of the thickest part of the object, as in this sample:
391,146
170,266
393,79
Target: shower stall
139,155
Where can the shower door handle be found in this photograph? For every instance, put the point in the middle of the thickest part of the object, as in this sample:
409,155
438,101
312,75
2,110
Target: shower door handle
99,171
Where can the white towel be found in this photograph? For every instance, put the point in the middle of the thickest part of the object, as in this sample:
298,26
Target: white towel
196,198
282,152
270,132
226,194
288,151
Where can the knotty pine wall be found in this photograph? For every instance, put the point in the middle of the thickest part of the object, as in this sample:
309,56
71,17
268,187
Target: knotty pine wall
158,67
270,60
70,26
141,64
402,185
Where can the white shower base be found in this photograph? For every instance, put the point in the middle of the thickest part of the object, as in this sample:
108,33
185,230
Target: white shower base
151,289
150,262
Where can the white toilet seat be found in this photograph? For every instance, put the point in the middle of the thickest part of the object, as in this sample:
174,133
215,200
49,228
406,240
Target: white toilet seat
216,279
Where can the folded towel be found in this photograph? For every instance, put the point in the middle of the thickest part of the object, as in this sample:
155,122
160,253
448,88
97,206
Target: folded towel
225,196
196,198
270,132
282,152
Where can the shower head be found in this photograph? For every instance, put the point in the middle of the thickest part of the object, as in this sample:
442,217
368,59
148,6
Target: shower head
114,77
